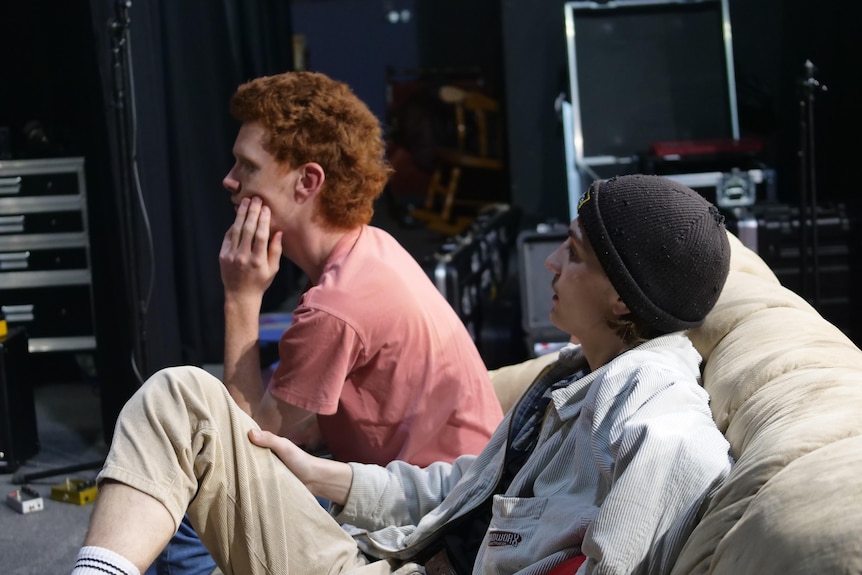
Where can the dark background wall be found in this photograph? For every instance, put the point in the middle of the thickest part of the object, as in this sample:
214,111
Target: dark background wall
189,56
354,41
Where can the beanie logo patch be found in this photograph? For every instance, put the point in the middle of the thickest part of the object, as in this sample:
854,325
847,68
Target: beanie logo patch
585,197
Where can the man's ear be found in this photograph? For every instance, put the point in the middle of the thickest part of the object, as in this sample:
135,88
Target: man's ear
619,307
309,182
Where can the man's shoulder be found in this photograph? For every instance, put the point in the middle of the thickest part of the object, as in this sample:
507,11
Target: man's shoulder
672,351
654,365
378,267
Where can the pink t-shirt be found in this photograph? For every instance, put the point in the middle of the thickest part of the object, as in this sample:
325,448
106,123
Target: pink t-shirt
377,352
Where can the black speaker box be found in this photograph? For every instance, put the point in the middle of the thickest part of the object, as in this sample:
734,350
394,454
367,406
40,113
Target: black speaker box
19,439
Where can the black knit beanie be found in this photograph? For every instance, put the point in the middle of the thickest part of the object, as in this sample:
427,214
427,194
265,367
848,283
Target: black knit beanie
663,246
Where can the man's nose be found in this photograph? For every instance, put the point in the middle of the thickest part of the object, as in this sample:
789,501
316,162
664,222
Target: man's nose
230,183
551,261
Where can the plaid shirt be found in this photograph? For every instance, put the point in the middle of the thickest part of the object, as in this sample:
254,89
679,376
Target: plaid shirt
527,421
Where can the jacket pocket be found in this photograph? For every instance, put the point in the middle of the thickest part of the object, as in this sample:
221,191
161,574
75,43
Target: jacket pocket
525,531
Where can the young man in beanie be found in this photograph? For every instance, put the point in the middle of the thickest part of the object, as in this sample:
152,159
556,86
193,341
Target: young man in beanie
605,461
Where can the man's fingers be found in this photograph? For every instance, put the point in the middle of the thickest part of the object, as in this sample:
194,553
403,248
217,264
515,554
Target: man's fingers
234,233
250,234
261,232
250,225
261,438
281,446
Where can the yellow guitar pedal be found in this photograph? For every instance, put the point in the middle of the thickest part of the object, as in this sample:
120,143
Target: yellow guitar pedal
77,491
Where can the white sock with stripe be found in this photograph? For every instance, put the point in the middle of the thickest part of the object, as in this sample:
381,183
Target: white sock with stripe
100,561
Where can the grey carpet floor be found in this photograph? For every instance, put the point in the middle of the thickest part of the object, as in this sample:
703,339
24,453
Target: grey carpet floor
46,542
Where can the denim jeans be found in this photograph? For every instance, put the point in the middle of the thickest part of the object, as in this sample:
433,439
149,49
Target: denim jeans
185,554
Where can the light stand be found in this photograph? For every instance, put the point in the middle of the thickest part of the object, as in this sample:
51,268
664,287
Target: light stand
808,184
129,188
129,195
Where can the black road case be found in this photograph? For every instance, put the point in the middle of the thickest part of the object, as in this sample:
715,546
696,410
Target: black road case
815,257
652,90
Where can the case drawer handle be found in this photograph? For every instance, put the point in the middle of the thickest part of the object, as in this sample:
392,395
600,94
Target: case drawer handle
11,224
14,261
10,186
18,313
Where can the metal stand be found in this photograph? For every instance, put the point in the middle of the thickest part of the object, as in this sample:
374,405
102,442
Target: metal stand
129,190
129,183
22,478
808,185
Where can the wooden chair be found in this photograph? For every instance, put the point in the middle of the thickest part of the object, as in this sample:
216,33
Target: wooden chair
477,146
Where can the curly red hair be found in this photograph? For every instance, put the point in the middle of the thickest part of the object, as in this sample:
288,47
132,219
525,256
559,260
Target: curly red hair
310,117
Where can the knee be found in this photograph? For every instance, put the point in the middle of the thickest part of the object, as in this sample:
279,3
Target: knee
183,383
180,372
174,394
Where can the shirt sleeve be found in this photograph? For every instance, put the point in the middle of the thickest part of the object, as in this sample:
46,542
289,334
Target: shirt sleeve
398,494
667,458
316,354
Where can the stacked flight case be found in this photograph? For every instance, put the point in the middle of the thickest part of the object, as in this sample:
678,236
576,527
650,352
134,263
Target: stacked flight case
815,257
471,270
652,90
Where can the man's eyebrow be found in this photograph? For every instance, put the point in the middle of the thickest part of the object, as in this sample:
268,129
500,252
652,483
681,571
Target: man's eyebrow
242,157
575,239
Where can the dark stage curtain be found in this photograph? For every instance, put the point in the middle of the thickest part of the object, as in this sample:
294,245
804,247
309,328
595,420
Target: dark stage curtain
158,285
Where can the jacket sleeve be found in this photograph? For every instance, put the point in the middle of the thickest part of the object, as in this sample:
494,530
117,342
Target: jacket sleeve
666,458
398,494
